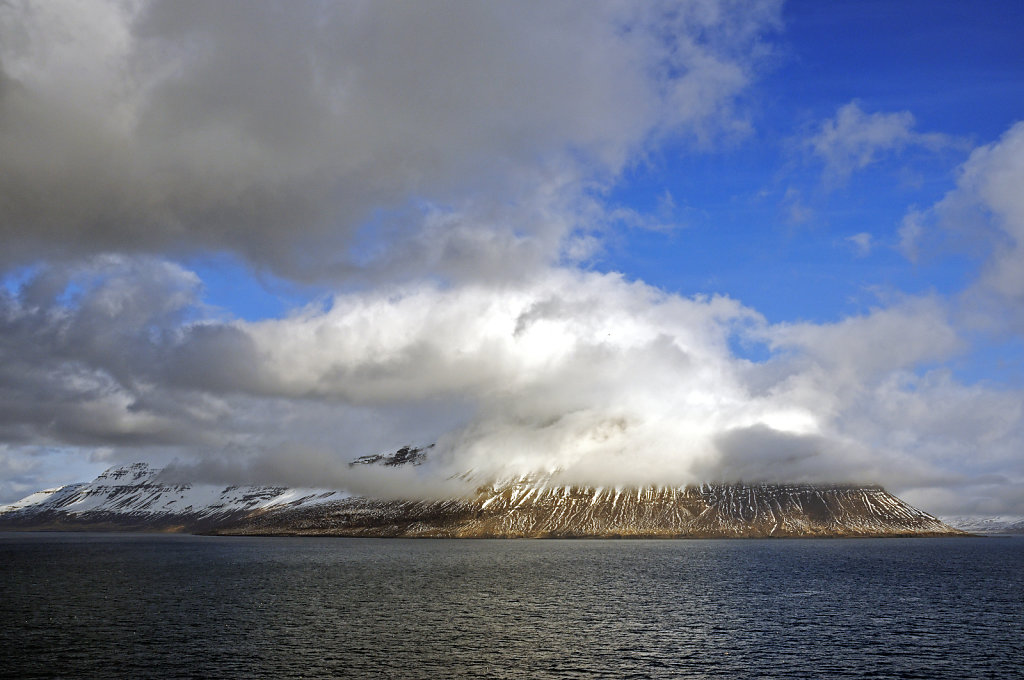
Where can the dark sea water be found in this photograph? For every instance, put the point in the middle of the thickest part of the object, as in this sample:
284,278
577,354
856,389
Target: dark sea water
141,606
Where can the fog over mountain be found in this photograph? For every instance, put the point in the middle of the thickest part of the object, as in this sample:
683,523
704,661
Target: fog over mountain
251,242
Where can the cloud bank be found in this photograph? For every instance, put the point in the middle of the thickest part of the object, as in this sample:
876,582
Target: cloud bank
607,380
441,169
326,141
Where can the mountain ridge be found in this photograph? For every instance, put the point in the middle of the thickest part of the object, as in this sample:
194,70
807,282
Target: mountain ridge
133,498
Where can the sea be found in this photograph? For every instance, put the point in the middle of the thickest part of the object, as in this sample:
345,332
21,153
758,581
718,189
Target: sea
179,606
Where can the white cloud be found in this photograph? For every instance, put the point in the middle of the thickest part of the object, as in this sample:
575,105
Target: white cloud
862,242
983,216
990,181
569,369
796,211
864,347
853,139
614,382
910,233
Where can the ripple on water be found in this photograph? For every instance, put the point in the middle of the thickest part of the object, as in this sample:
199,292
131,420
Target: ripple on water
184,606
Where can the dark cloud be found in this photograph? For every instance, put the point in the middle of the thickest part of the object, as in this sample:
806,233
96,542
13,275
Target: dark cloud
316,139
76,347
762,454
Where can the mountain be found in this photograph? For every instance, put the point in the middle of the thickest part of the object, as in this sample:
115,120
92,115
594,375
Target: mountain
535,507
134,498
407,455
999,524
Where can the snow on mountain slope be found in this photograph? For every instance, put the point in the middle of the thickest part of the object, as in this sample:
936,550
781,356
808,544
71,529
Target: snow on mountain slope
1000,524
538,507
133,495
44,498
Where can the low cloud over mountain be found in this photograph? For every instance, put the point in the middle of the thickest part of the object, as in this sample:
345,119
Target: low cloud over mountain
442,183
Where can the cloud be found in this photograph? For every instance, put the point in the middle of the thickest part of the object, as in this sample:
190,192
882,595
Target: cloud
889,413
72,342
446,165
951,447
862,242
910,233
853,139
987,204
328,141
306,466
570,369
606,380
759,453
916,331
982,216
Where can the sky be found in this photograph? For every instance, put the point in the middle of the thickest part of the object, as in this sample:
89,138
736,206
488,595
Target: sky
635,243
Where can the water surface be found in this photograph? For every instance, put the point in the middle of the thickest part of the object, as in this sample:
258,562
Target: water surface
117,605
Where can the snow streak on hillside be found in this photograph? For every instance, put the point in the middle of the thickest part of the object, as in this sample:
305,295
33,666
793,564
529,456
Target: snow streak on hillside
134,498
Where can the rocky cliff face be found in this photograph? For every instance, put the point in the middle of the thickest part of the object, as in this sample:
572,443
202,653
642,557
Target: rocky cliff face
134,498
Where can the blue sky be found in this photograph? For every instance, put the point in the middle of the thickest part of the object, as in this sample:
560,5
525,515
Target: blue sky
260,240
957,69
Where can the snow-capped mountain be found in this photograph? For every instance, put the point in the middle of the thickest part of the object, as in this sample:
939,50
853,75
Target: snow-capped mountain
999,524
133,498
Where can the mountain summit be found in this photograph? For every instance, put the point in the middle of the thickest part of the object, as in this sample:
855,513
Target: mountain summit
134,498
